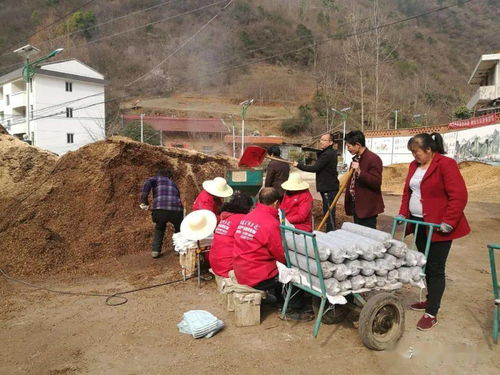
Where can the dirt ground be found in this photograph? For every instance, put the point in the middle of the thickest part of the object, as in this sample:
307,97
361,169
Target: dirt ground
46,333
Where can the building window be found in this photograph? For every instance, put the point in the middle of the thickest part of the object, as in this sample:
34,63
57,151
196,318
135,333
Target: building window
69,112
69,86
70,138
7,99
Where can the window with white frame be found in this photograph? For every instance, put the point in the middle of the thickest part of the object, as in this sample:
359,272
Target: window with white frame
70,138
69,86
69,112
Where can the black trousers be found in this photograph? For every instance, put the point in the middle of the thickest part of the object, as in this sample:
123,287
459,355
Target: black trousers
327,197
435,268
370,222
274,287
161,218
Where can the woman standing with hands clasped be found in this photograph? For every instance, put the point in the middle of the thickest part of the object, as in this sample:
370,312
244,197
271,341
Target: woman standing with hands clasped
434,192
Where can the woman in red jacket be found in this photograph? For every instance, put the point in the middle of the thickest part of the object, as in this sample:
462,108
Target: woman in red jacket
297,202
221,252
434,192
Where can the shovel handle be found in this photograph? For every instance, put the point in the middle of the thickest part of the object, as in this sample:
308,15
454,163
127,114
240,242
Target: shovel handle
341,190
278,159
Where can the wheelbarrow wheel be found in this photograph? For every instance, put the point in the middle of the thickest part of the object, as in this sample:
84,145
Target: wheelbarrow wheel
381,322
334,316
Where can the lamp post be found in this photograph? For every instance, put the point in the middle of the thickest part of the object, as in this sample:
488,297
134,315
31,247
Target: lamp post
28,74
396,118
343,115
244,107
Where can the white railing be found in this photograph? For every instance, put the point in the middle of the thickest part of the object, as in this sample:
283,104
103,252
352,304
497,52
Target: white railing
18,100
482,94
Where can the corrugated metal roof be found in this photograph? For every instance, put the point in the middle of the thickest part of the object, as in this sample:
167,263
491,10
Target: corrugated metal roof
270,140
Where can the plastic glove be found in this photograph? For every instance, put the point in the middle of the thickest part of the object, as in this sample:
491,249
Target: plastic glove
399,217
144,206
445,228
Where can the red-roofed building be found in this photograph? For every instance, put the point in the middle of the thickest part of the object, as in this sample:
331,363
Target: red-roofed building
205,135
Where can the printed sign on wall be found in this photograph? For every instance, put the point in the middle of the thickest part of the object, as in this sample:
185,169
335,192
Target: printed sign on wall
382,145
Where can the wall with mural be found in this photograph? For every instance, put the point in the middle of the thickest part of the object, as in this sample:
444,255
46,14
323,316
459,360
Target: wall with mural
475,144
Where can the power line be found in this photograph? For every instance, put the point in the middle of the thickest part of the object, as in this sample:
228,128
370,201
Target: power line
47,26
182,45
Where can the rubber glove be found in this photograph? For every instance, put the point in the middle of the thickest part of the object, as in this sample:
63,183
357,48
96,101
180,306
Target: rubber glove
445,228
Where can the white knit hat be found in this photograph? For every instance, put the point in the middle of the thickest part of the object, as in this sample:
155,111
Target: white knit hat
198,224
218,187
295,183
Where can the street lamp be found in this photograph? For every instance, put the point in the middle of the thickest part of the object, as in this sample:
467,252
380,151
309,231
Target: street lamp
244,107
396,118
343,115
28,73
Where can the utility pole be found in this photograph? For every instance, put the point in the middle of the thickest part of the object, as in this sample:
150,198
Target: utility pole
234,140
396,119
343,114
244,107
142,127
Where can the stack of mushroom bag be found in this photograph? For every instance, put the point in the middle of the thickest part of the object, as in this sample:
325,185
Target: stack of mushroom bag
355,259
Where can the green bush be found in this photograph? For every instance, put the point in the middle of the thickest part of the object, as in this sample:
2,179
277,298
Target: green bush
462,113
133,130
292,126
80,21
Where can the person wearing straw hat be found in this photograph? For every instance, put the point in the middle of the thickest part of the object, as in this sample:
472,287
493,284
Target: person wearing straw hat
212,195
297,202
167,206
198,225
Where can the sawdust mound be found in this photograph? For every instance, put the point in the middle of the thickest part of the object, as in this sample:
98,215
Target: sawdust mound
21,166
87,207
482,180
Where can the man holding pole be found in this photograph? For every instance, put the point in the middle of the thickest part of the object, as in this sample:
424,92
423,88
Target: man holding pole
363,196
327,183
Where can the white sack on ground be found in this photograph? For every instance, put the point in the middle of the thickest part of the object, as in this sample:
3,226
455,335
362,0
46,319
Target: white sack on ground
300,242
303,262
374,234
398,248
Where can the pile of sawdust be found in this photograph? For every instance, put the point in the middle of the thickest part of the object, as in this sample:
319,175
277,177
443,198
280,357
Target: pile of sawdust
482,180
84,206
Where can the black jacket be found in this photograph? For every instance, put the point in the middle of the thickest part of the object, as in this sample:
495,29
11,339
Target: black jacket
325,169
276,173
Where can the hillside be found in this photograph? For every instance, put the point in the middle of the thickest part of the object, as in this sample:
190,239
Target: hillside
324,53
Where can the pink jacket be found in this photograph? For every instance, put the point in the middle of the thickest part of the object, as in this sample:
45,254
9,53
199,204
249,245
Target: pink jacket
257,246
221,252
298,209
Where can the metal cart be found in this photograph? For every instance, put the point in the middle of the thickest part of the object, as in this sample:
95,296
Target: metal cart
494,279
381,320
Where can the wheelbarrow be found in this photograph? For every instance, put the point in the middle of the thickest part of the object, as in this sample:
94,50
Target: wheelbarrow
381,314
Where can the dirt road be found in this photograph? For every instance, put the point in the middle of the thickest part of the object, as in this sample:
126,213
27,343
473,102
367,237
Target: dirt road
44,333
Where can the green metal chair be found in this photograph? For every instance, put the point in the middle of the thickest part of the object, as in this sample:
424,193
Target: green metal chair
309,240
494,279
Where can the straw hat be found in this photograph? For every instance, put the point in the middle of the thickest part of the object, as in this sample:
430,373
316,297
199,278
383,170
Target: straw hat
295,183
218,187
198,225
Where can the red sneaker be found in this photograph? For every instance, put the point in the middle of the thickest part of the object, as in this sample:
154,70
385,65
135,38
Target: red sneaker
420,306
426,322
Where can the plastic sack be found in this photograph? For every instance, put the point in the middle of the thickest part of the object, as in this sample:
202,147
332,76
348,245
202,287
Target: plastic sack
404,275
332,286
381,281
199,323
416,274
392,276
391,261
350,248
385,264
374,234
370,281
400,262
366,248
367,268
345,285
299,242
398,248
302,262
354,266
357,282
415,258
341,271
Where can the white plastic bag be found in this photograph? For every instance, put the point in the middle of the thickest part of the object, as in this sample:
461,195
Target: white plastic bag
374,234
370,281
299,242
341,271
398,248
357,282
309,264
367,268
354,266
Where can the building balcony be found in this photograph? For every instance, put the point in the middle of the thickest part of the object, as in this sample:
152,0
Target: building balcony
483,95
18,100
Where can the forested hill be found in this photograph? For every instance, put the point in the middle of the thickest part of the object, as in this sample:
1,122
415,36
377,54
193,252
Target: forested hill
372,55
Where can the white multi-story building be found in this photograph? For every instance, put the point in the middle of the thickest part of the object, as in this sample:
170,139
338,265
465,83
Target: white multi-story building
487,76
66,105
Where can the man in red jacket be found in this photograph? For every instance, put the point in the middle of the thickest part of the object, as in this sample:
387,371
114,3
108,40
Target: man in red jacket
363,196
257,243
297,202
212,195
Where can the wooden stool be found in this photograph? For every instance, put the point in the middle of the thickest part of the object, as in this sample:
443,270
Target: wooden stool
247,308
